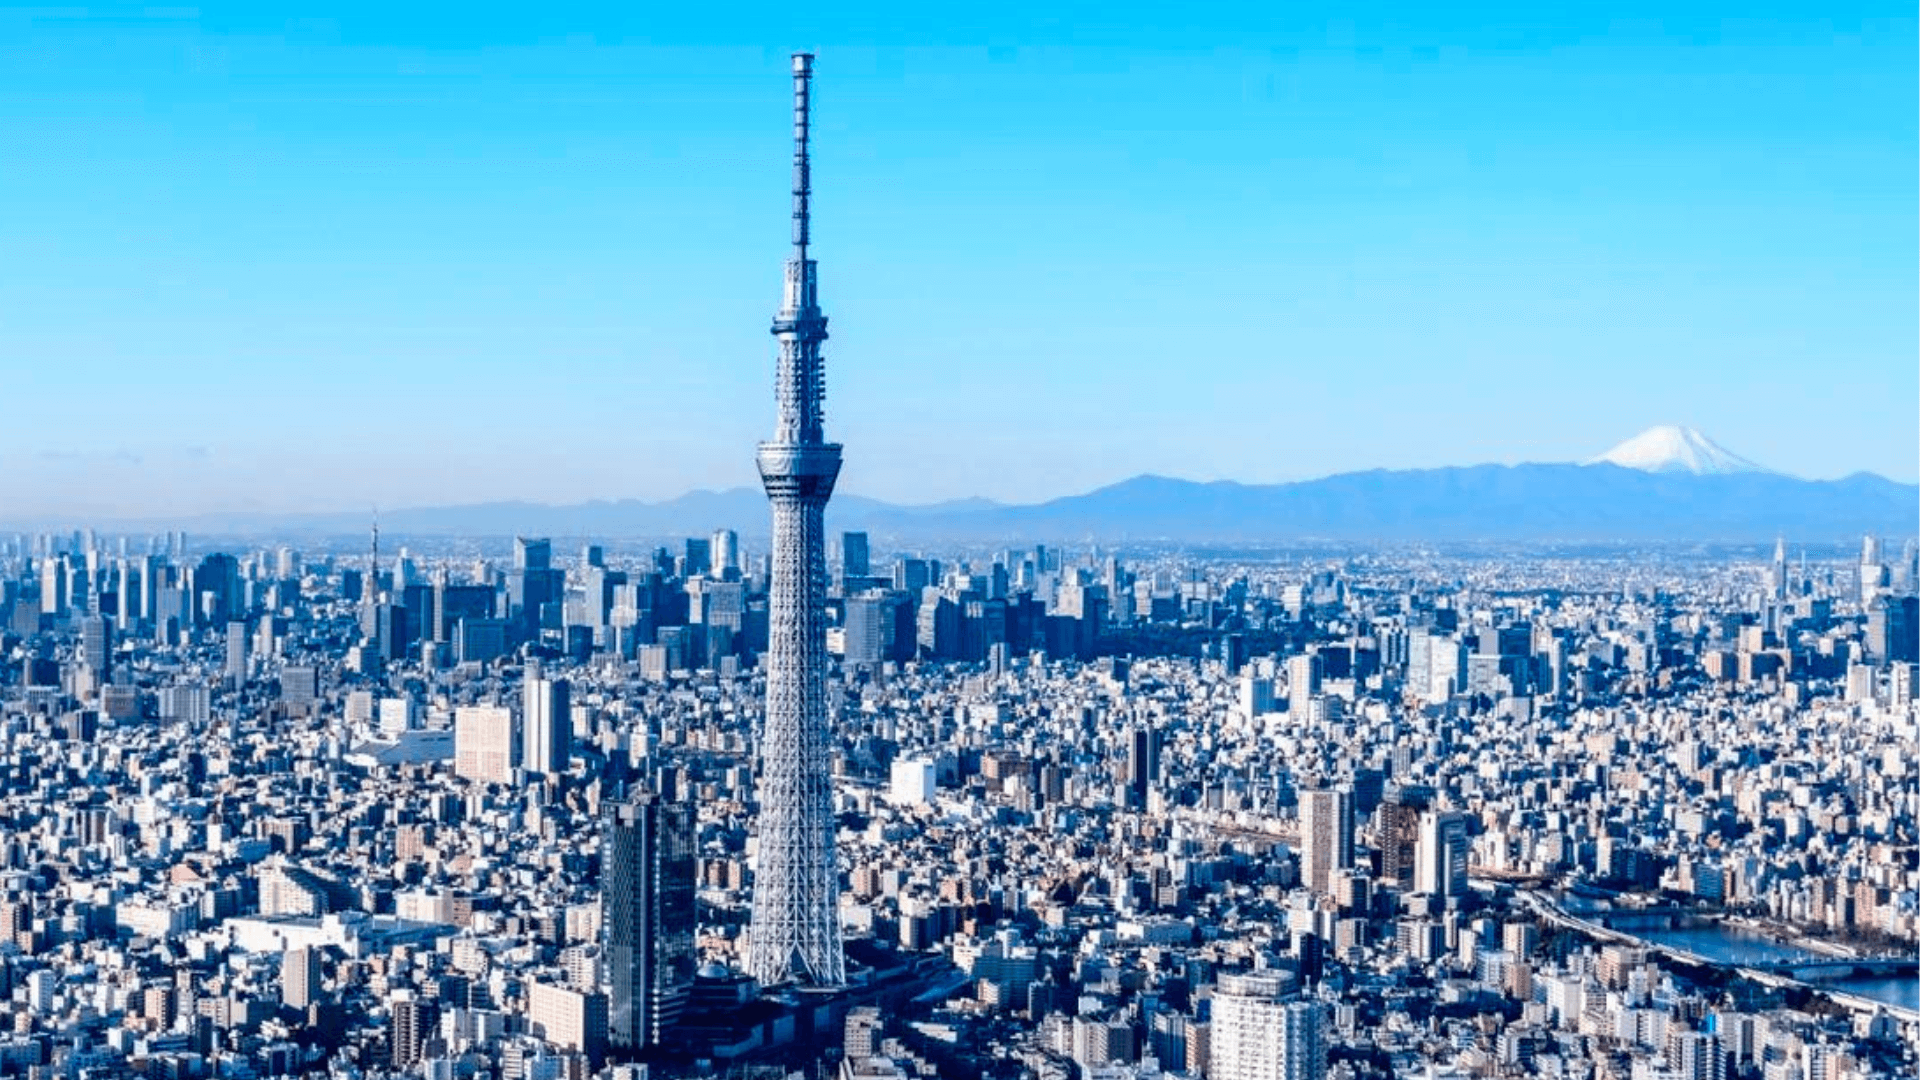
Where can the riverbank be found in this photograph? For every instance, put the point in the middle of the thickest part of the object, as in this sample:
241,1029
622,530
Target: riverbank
1738,949
1788,934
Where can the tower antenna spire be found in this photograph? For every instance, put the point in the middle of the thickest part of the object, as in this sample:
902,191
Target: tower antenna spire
802,172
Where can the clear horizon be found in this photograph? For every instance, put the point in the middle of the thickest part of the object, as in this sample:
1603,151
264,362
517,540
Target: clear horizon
414,260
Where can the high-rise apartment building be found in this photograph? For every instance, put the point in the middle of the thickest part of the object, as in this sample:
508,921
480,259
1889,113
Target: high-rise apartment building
410,1024
1326,836
647,916
1303,684
569,1018
299,977
1257,1034
484,749
547,724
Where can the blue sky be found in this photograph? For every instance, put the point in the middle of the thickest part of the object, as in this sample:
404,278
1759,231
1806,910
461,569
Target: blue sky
253,259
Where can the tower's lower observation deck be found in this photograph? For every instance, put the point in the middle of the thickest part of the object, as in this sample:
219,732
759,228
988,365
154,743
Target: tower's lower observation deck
803,469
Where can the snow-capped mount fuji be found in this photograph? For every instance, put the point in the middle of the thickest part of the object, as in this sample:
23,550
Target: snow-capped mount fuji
1673,449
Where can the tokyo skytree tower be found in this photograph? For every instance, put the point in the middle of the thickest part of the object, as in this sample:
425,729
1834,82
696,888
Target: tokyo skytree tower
795,934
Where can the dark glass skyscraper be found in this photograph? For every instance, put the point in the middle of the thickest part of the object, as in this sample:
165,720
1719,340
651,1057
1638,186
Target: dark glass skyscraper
647,882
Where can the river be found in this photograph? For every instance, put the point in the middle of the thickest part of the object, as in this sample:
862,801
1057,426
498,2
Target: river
1737,945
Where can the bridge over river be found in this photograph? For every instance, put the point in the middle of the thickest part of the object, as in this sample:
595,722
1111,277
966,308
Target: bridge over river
1830,968
1620,926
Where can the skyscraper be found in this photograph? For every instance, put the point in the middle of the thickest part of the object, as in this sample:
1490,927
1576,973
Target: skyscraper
237,651
96,644
854,561
1441,862
1143,763
796,921
547,724
1303,684
647,909
1326,836
724,551
1398,833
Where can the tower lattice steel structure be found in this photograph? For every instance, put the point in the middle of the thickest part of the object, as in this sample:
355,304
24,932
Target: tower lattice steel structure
796,888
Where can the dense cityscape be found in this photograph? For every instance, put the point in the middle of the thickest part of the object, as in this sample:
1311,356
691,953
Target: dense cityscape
1222,815
775,806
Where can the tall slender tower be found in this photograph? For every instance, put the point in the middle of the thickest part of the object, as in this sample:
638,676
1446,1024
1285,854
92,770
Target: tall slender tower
370,592
796,887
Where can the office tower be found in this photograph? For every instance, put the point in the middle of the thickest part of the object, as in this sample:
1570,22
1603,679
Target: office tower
547,722
1303,683
1233,647
452,603
483,745
237,651
299,977
530,554
1256,696
911,575
1326,836
1440,865
1257,1034
391,632
853,557
478,641
697,558
796,919
409,1027
532,585
724,551
647,913
1143,763
299,686
1893,624
96,645
53,586
1872,574
868,635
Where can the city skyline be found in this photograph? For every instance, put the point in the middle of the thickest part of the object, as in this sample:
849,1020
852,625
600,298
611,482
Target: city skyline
1491,218
1543,770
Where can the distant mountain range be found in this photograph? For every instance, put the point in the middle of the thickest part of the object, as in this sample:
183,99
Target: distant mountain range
1664,484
